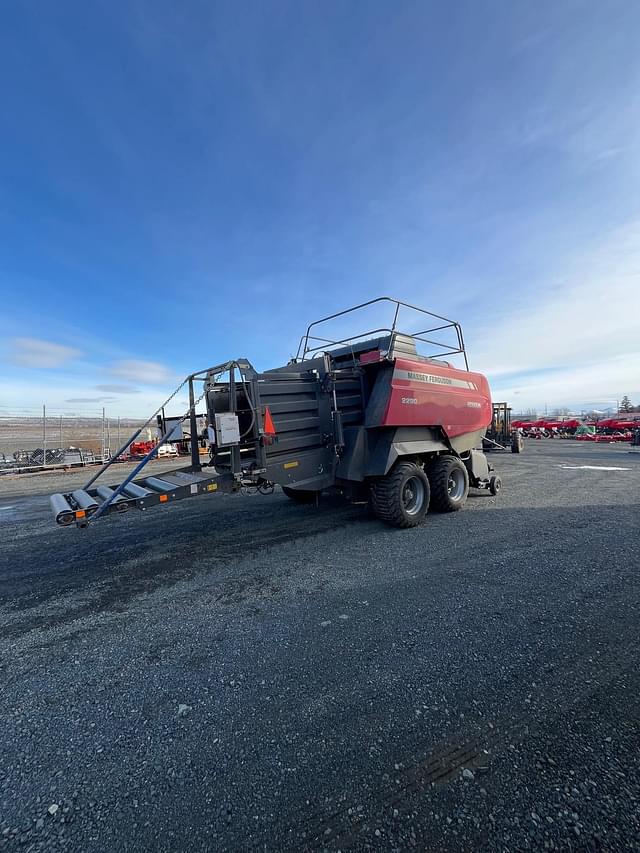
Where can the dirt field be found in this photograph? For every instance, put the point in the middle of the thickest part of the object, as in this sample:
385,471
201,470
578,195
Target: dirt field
242,673
28,433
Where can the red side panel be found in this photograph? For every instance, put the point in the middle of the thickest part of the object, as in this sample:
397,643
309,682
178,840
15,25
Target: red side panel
425,394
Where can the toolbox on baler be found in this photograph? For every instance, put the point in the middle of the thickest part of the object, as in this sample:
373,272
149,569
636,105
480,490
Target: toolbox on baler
367,415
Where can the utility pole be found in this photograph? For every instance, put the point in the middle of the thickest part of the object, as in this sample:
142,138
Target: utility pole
102,454
118,430
61,432
44,434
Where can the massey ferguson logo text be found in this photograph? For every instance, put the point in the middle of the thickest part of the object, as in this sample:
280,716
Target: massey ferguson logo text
428,377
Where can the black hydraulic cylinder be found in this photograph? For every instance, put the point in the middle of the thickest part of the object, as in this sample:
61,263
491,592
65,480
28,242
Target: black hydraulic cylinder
193,428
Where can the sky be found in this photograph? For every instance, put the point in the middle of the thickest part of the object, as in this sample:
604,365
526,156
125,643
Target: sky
181,184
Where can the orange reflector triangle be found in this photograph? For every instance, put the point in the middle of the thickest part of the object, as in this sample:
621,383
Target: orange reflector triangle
269,428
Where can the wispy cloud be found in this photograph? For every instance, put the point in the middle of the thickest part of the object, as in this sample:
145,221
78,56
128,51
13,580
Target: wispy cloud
117,389
577,337
148,372
90,400
33,352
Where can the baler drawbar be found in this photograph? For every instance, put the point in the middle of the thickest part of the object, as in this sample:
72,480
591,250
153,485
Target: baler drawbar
366,415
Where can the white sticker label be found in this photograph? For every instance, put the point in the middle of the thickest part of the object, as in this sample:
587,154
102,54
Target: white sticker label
194,489
433,379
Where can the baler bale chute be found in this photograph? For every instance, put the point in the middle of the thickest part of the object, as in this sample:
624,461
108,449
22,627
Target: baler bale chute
366,415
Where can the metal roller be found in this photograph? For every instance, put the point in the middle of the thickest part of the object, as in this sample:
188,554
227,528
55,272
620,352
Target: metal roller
120,502
84,500
62,510
135,491
160,485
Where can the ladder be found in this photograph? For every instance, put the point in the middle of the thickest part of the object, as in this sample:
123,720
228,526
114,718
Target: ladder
86,505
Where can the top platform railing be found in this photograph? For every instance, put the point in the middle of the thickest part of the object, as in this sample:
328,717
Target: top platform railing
454,345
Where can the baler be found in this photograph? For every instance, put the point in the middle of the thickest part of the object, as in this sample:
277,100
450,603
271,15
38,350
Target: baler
367,415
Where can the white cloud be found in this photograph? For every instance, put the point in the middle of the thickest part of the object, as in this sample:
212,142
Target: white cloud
584,327
146,372
26,396
33,352
606,381
90,400
117,389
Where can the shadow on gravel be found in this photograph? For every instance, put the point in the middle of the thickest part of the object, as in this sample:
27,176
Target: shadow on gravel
103,569
116,565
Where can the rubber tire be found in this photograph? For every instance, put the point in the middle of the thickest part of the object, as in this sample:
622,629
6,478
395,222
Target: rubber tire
386,496
300,496
495,485
438,474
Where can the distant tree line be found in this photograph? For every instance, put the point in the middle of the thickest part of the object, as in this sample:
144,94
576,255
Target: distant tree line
625,407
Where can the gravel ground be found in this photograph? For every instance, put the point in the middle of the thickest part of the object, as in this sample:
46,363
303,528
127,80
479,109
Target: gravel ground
241,673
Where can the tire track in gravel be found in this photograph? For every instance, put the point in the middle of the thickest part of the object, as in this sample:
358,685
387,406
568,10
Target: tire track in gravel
569,686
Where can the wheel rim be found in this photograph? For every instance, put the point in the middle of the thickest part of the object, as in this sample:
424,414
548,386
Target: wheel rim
456,484
413,495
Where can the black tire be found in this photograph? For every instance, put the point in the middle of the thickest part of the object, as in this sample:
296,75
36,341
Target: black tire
449,481
495,484
402,497
300,496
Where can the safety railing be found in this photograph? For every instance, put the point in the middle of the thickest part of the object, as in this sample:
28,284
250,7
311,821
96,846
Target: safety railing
312,343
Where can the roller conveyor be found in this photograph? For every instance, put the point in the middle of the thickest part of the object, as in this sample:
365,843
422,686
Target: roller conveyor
80,505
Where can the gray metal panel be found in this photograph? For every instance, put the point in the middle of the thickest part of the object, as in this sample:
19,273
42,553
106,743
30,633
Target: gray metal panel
380,393
283,406
300,411
183,478
293,443
386,446
292,423
402,345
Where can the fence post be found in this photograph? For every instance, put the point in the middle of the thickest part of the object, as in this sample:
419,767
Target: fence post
44,434
60,431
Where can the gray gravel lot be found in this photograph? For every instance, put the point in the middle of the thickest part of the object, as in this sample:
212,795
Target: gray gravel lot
241,673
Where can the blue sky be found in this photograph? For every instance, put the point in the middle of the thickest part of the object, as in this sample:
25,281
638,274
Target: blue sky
185,183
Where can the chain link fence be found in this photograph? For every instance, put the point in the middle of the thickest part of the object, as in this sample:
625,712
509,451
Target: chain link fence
46,438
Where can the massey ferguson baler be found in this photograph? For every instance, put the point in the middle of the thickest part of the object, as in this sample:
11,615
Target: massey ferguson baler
367,415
